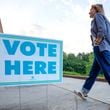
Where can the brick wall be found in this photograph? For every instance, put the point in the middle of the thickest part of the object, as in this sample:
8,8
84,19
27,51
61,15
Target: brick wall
1,29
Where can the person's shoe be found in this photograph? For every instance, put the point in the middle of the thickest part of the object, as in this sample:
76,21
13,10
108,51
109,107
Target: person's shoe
81,95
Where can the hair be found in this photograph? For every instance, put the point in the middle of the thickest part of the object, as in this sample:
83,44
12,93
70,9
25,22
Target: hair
99,8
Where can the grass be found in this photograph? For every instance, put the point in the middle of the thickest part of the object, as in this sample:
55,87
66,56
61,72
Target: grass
78,74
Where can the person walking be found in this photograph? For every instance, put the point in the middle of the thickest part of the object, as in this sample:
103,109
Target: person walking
100,36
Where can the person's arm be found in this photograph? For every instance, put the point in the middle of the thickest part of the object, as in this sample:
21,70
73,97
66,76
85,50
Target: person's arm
101,28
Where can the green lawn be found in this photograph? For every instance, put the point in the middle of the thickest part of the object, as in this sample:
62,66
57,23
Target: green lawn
78,74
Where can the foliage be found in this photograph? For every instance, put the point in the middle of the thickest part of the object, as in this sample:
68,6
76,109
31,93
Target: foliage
80,63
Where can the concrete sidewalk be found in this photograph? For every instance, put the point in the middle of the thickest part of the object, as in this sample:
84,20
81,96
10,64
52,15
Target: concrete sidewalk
54,97
100,90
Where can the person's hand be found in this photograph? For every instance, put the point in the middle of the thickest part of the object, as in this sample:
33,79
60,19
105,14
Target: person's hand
98,40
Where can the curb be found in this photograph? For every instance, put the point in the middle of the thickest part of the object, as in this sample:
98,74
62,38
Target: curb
83,77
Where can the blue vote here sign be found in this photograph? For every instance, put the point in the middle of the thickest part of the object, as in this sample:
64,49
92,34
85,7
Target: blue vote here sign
29,60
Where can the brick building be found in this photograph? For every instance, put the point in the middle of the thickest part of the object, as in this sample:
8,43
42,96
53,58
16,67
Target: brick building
1,28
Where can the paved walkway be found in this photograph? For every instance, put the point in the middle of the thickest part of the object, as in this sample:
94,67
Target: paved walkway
100,90
54,97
